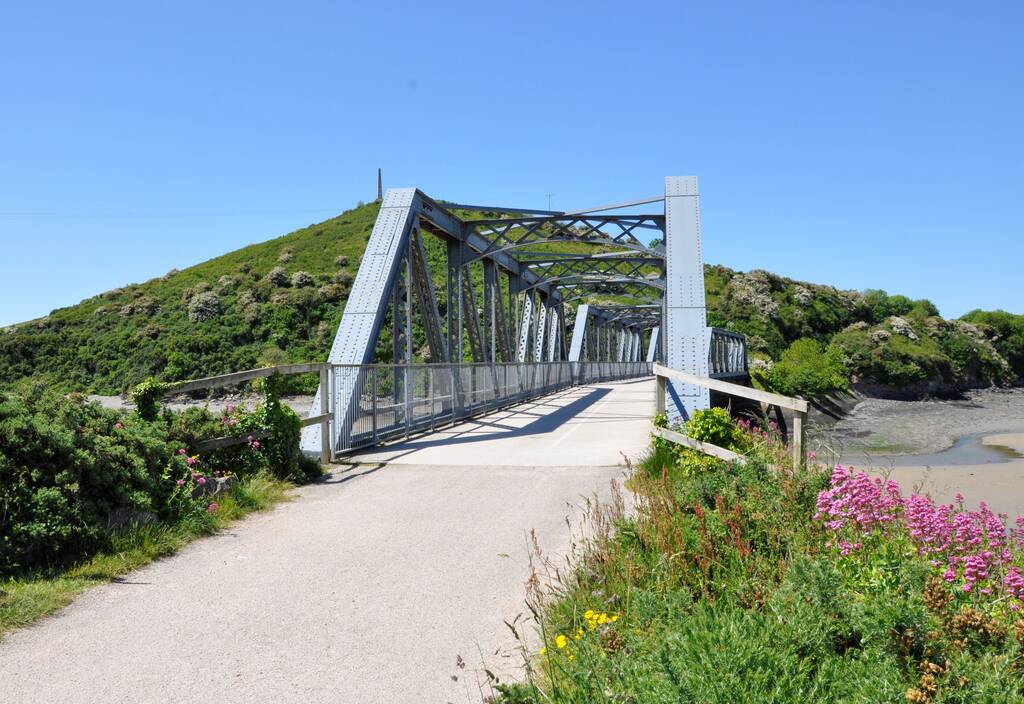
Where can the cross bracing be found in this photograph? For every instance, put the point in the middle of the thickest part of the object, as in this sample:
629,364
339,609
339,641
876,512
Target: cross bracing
500,286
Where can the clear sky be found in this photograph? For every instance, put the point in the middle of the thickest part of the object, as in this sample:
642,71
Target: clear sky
864,145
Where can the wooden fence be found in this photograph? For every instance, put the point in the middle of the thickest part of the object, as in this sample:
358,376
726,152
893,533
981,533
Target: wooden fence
797,405
323,418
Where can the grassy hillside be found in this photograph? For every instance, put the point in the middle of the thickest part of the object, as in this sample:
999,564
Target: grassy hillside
281,301
244,309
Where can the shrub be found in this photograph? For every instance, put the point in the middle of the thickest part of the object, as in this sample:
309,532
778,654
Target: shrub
146,397
805,369
277,276
204,306
714,425
66,468
301,279
343,277
341,260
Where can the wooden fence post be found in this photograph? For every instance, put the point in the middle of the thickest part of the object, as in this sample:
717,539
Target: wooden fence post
325,424
798,438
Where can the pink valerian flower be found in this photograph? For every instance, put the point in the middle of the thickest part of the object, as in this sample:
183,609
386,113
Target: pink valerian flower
1014,582
858,502
118,425
200,480
970,545
181,482
182,451
255,444
811,455
193,460
212,507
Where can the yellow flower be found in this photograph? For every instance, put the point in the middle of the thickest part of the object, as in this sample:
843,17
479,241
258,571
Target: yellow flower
543,651
579,634
615,618
571,656
561,641
588,614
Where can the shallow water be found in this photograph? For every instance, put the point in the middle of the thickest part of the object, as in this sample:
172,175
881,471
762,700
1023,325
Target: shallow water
967,450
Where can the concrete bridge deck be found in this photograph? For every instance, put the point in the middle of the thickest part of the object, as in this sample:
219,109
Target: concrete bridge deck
366,588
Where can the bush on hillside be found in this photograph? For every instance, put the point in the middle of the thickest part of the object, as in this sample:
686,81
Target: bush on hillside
277,276
204,306
301,279
1006,332
807,369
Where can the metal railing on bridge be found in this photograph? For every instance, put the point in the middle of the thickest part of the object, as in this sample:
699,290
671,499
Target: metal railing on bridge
373,403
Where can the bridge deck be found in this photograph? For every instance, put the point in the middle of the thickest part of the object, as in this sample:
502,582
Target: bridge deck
590,425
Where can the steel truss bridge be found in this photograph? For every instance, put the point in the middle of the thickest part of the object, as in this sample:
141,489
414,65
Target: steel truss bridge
531,302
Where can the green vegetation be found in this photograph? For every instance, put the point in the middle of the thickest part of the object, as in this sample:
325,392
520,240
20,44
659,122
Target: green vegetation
807,369
72,474
761,582
281,301
32,595
882,340
271,303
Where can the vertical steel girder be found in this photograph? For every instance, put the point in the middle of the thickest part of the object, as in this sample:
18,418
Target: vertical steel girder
652,346
685,318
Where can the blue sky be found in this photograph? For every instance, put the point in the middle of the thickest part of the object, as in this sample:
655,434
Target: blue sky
864,145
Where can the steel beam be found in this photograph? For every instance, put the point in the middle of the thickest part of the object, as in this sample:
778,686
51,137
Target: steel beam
685,317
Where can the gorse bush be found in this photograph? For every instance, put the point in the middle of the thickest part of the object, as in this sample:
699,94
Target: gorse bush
71,471
66,467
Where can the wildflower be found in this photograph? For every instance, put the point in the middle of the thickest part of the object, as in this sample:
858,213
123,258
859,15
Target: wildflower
212,508
200,481
579,634
255,444
811,455
193,460
118,425
181,482
561,641
544,650
182,451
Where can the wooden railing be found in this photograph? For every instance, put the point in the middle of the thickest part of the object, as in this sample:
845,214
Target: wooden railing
797,405
323,418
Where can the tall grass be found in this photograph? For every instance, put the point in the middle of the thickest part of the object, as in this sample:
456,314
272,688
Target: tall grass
25,599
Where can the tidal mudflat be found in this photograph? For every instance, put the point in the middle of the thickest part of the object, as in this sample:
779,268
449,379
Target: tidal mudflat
973,447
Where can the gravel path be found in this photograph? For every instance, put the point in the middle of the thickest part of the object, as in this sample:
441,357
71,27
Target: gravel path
369,587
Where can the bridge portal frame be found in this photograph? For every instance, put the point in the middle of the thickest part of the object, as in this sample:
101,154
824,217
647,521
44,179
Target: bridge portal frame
522,313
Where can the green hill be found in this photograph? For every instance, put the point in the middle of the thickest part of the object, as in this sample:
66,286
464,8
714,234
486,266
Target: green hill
281,301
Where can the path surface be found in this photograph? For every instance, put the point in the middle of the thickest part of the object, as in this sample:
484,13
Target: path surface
366,588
